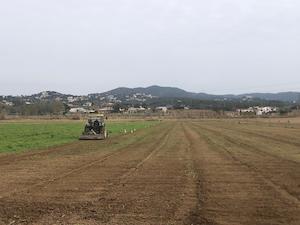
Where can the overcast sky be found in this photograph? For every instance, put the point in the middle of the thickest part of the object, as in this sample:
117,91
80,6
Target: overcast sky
218,46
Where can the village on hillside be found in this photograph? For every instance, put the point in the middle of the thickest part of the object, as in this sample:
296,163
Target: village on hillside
136,103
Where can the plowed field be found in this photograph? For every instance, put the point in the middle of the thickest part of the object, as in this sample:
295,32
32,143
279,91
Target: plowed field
178,172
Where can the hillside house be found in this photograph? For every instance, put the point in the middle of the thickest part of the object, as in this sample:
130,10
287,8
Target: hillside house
265,110
107,109
163,109
258,111
78,110
136,110
88,104
7,103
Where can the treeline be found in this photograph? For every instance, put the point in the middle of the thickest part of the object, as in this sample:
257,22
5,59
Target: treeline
60,108
38,108
215,105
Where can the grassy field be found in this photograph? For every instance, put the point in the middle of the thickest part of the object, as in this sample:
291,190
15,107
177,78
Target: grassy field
29,135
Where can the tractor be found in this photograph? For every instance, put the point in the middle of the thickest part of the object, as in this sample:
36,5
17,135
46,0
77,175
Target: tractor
94,129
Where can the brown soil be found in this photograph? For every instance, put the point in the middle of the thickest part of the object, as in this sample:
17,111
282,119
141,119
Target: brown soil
180,172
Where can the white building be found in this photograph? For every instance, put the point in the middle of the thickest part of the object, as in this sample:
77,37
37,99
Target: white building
78,110
265,110
88,104
7,103
71,99
259,111
163,109
136,110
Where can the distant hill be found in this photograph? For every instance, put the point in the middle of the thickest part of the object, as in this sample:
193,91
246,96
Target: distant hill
51,102
282,96
160,92
173,92
141,94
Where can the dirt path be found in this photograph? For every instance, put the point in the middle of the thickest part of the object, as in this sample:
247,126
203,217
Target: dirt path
175,173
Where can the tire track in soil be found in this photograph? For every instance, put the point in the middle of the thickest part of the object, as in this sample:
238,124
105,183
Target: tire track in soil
112,198
153,194
140,164
258,150
280,138
274,206
85,167
196,216
290,168
250,147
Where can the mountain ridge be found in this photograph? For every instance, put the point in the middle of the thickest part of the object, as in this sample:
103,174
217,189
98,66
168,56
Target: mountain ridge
175,92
